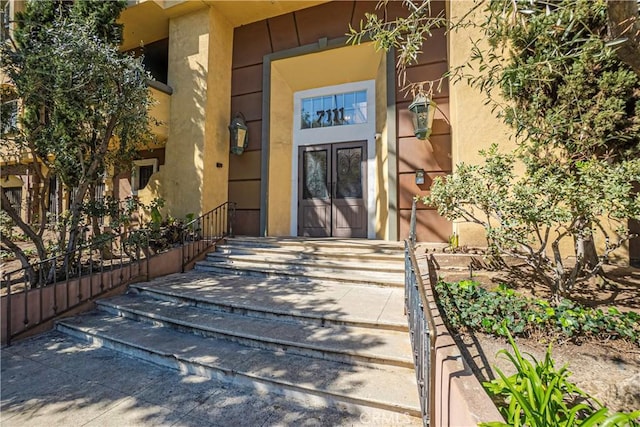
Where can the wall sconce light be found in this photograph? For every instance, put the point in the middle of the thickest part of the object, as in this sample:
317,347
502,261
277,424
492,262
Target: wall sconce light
239,134
423,110
420,177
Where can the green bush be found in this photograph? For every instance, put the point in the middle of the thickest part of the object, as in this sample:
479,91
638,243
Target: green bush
539,395
467,304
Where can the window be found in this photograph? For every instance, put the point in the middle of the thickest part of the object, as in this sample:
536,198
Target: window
337,109
5,20
155,59
142,171
99,192
9,116
14,194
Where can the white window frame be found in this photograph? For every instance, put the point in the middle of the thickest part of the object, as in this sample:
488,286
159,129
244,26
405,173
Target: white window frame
135,173
5,22
12,125
336,134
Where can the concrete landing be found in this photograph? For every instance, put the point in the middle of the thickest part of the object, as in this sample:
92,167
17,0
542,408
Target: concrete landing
348,304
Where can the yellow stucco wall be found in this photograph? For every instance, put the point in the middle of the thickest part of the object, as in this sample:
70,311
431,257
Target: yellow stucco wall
290,75
160,114
218,105
473,126
280,148
382,158
11,181
198,113
183,171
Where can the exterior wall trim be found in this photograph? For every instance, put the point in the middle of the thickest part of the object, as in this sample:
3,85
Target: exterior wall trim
321,45
392,148
357,132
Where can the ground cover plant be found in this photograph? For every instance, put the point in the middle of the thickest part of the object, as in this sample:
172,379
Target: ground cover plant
599,343
467,304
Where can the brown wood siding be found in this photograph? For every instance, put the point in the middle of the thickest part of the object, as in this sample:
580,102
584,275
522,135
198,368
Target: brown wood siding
430,227
246,80
157,153
246,194
330,20
250,44
245,167
253,41
246,222
431,156
434,155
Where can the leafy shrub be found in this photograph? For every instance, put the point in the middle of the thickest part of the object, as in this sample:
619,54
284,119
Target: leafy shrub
467,304
539,395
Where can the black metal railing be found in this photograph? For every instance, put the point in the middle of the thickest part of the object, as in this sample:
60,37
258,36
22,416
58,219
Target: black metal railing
421,326
46,289
50,288
205,231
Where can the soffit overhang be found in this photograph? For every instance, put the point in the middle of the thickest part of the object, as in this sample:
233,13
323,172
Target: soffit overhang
147,21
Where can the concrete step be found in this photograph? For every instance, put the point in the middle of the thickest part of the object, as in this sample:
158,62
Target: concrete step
298,271
330,342
299,244
313,254
318,381
341,260
329,262
319,302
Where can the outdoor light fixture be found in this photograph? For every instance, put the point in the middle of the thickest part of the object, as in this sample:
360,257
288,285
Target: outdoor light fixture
419,176
239,134
423,109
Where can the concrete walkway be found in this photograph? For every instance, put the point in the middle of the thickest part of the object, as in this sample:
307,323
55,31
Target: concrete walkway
54,380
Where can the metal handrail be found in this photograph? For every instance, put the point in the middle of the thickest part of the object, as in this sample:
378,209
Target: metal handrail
206,230
129,249
421,326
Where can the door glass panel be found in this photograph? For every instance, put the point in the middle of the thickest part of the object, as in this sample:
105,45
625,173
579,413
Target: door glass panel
315,175
349,173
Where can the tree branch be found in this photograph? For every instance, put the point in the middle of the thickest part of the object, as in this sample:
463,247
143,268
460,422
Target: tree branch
13,214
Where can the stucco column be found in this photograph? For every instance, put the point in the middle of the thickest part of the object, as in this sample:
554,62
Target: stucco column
188,73
473,126
218,112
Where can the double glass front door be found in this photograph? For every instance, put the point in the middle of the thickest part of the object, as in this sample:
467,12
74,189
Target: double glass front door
332,190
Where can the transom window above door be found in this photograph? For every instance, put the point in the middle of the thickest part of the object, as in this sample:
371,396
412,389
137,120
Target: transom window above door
339,109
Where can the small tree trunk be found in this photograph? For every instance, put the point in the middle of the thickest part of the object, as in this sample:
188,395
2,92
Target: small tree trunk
624,23
24,227
93,219
558,287
585,249
24,261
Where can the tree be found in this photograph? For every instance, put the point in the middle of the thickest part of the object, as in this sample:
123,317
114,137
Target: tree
553,72
84,103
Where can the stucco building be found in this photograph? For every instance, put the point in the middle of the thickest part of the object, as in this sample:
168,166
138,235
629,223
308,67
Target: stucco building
331,147
331,150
